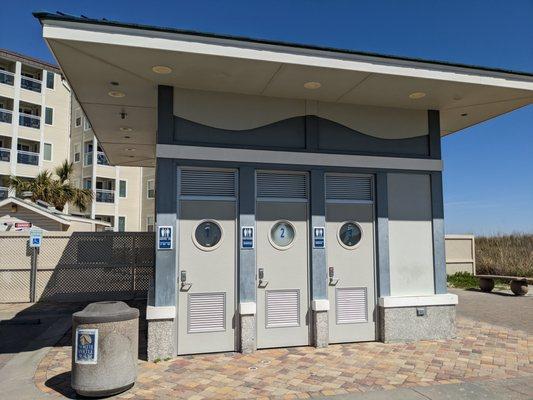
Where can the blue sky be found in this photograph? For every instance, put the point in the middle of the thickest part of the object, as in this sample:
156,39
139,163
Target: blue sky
488,178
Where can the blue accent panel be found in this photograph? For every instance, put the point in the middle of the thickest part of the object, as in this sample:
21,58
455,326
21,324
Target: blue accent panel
286,134
434,134
247,287
439,256
339,138
382,210
319,273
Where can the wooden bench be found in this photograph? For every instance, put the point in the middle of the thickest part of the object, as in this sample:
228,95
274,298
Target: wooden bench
518,283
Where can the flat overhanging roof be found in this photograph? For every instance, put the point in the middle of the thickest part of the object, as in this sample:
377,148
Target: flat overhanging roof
93,53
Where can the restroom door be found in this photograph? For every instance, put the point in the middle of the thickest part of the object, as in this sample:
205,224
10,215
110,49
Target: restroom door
282,259
350,257
206,260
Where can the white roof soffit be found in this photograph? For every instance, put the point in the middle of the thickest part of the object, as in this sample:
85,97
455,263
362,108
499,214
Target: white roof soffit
94,55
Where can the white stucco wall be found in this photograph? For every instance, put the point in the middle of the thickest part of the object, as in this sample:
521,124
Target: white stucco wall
410,235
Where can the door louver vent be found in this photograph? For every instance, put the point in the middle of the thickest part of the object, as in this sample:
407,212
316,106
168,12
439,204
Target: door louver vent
202,182
351,305
282,308
282,185
206,312
348,187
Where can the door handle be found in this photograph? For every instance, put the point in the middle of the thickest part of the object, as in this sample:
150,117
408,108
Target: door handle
184,285
332,280
261,278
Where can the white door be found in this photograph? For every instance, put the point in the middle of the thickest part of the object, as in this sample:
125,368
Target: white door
350,257
282,259
206,260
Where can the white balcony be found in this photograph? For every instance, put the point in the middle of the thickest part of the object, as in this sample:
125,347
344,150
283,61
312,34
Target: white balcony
31,84
7,78
31,121
5,154
27,157
6,116
88,158
105,196
4,192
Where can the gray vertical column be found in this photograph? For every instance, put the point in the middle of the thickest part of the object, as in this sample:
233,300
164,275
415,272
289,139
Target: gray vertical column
165,201
437,204
247,263
382,210
319,285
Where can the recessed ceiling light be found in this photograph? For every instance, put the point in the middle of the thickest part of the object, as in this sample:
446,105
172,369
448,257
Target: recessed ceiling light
125,129
127,137
417,95
130,149
312,85
114,83
131,156
464,114
116,93
161,69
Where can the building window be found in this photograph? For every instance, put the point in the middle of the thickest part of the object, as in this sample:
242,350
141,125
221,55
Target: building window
50,80
49,116
47,152
87,184
150,186
86,124
77,153
150,223
122,189
121,224
77,119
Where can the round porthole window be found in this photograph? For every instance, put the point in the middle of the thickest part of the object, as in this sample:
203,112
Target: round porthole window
350,234
282,234
207,235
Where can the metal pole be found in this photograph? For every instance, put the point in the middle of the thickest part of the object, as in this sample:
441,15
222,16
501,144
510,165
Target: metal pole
33,274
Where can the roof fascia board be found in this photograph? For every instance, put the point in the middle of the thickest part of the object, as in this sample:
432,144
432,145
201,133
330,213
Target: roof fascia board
34,209
169,41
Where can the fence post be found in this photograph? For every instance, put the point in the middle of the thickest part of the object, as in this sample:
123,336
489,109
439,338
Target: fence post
33,274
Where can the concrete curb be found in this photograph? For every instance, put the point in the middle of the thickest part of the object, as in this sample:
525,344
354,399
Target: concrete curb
17,375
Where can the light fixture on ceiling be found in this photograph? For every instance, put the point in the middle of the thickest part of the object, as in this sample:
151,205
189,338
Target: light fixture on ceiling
114,83
130,149
131,156
417,95
116,93
125,129
312,85
127,137
161,69
464,114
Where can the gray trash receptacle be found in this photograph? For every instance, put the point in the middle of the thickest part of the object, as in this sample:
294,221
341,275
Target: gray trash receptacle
105,343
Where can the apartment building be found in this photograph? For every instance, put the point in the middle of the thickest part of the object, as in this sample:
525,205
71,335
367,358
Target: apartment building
34,117
122,196
42,124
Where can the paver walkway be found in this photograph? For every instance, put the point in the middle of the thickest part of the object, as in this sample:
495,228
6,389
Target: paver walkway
480,352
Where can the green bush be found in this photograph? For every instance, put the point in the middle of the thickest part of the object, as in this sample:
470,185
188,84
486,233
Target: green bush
462,280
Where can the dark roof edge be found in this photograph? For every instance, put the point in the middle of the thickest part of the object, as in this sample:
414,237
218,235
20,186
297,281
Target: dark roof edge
71,18
34,62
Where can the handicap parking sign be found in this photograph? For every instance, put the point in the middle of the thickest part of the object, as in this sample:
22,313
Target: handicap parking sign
165,237
36,237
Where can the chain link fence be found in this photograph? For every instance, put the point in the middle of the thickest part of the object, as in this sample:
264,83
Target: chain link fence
82,266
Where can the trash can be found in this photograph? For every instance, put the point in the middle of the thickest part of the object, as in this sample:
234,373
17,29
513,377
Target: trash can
105,342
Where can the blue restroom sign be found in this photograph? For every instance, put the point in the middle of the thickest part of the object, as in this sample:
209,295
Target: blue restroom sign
165,237
247,237
319,241
86,348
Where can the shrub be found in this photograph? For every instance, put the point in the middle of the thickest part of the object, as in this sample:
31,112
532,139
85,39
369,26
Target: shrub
505,255
463,280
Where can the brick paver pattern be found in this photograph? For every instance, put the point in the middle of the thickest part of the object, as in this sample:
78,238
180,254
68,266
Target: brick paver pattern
480,351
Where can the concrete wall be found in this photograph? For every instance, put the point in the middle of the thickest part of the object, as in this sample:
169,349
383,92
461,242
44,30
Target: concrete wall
410,235
460,254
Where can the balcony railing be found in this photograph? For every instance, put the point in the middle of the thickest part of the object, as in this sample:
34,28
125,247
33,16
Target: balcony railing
7,78
31,121
88,158
6,115
4,192
105,196
5,154
27,157
30,84
102,159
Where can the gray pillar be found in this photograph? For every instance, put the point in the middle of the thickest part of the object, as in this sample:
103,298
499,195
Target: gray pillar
439,257
382,209
434,134
161,310
247,266
319,285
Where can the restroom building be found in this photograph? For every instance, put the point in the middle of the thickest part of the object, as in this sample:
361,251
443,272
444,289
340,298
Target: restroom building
298,189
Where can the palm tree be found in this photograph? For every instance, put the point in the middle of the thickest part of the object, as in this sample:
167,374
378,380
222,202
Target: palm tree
56,190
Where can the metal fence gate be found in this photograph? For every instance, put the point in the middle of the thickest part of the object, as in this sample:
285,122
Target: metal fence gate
79,266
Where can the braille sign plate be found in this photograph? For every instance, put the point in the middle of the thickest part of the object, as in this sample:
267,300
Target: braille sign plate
36,237
319,241
247,237
165,237
86,349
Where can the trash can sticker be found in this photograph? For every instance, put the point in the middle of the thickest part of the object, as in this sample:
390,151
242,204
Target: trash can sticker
86,351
